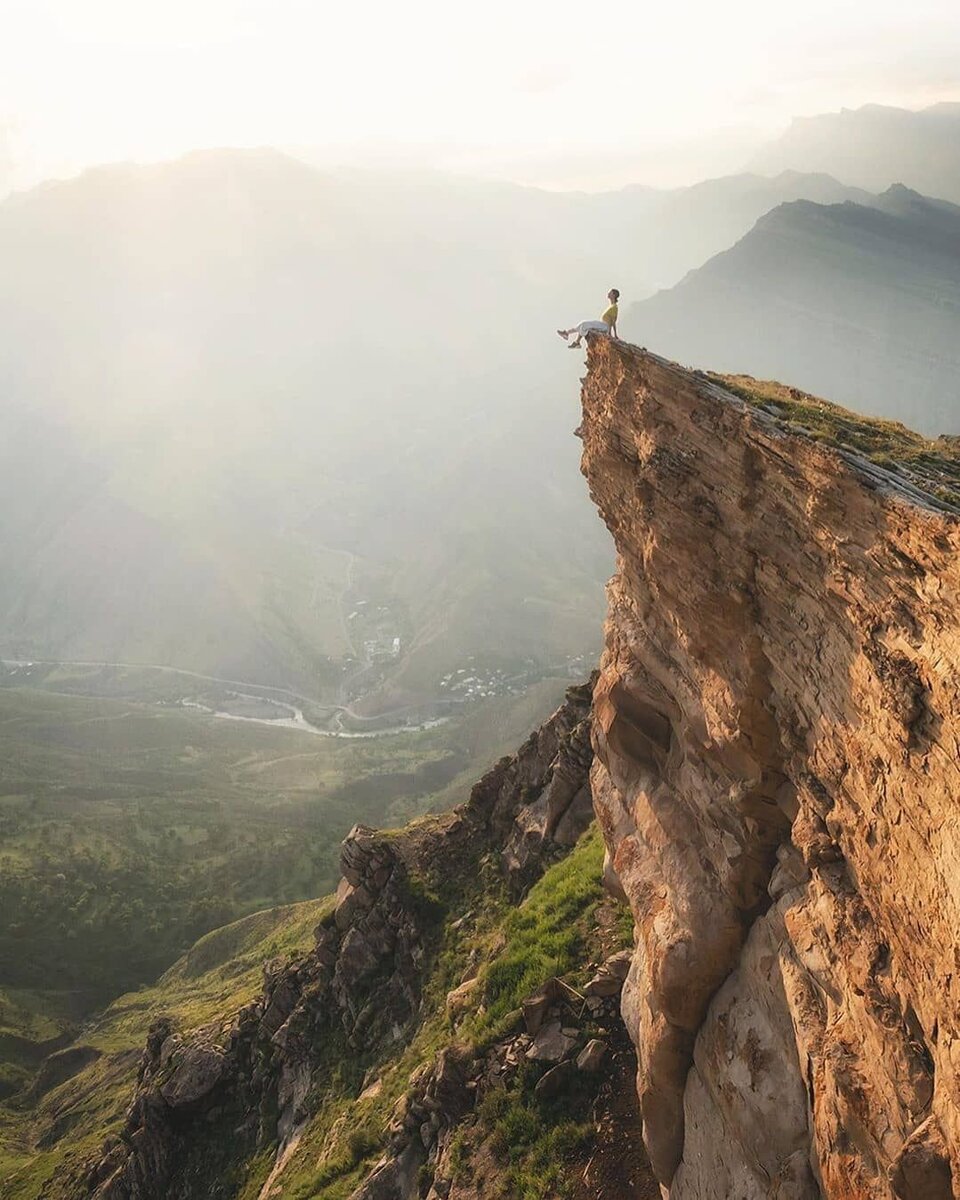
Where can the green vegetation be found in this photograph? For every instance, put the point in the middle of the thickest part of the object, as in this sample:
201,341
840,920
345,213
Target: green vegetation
346,1135
931,466
537,1138
32,1023
547,935
565,922
128,830
220,973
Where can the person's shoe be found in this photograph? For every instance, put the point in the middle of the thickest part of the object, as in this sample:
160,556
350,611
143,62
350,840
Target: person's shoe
563,333
574,346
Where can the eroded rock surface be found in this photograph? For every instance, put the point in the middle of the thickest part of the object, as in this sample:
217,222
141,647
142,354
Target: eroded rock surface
776,728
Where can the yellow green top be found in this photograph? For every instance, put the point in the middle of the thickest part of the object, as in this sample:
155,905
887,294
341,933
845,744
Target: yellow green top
610,316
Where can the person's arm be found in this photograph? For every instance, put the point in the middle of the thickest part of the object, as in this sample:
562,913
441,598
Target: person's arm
613,332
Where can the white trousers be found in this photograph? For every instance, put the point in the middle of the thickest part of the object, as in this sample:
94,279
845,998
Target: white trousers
591,327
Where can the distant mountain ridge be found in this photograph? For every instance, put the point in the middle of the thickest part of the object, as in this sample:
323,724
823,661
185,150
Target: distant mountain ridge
241,387
873,147
258,373
679,229
243,393
860,302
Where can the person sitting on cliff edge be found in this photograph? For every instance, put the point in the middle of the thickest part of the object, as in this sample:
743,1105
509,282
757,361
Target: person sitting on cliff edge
607,323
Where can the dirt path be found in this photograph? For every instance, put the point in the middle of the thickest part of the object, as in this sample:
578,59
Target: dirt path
618,1166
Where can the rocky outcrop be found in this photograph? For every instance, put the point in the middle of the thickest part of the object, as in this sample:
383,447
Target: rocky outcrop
539,800
208,1099
777,728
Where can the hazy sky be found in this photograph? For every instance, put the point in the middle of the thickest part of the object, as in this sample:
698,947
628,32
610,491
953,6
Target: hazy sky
561,93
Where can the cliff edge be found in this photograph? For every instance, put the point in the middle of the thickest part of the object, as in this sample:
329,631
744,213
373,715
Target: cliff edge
776,729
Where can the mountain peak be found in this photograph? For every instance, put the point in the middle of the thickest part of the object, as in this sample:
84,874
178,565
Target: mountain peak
901,190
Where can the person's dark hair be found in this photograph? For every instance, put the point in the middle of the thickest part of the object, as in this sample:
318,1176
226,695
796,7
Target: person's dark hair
614,292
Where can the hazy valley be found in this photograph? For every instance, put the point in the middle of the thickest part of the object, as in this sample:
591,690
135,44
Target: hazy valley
294,540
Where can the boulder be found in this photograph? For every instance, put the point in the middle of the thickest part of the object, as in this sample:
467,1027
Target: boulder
196,1071
555,1080
462,999
535,1009
551,1043
608,981
592,1057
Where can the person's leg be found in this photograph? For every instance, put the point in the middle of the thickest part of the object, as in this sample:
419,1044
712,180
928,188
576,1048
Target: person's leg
581,329
588,327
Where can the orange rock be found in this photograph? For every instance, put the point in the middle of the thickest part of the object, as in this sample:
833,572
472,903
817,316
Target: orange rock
777,730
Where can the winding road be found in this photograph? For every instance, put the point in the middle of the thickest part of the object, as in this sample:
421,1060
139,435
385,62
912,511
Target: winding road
298,721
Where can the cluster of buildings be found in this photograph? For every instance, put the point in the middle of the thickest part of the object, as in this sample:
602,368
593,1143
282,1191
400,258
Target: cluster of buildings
380,649
472,683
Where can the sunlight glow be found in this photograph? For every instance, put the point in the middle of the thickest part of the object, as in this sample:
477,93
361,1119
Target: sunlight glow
557,93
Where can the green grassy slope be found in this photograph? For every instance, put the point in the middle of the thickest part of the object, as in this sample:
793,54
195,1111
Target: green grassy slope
219,973
565,923
127,830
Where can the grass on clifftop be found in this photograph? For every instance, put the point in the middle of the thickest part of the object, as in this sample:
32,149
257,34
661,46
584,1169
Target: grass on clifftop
933,466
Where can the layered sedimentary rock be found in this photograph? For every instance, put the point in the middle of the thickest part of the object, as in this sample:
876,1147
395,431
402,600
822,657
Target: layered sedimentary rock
778,780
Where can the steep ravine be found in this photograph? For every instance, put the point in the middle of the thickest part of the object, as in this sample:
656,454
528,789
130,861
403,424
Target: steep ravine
776,730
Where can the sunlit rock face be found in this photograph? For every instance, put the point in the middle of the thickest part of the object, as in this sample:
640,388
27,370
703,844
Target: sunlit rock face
777,731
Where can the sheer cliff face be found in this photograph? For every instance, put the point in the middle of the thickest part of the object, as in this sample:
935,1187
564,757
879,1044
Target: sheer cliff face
776,727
